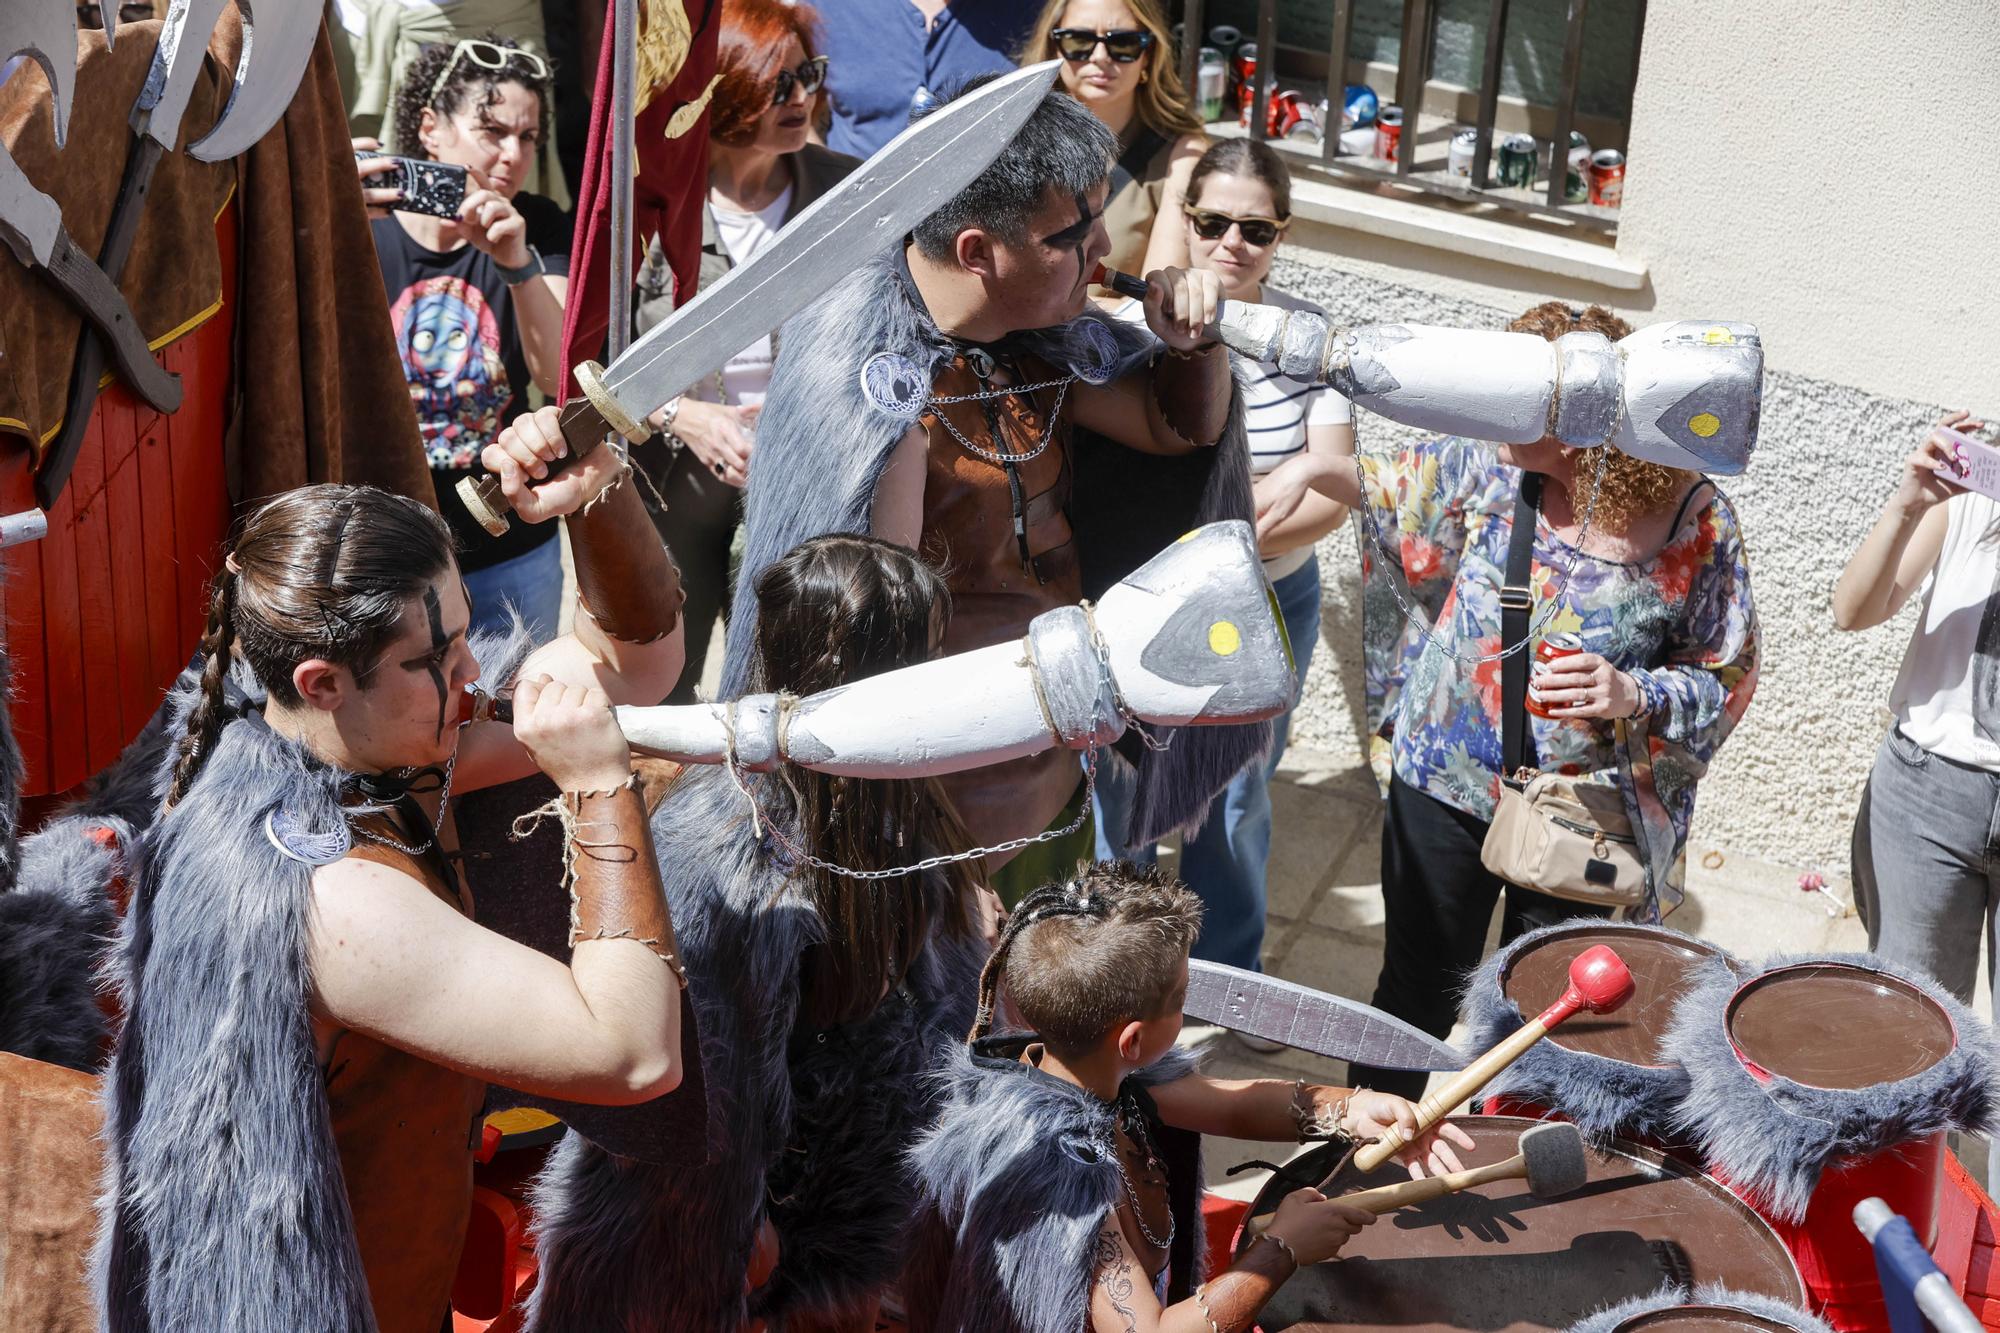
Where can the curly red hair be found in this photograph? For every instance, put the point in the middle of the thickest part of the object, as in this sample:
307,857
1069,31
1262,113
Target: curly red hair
747,60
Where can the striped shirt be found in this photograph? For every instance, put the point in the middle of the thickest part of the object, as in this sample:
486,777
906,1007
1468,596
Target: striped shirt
1276,411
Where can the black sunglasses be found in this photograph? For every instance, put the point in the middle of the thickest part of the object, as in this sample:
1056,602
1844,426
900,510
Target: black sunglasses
1212,226
808,77
1123,45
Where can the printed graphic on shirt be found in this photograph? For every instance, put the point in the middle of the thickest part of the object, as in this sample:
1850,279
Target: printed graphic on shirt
450,344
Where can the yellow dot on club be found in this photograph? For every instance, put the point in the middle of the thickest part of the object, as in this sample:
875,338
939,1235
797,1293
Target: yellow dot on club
1224,638
1704,424
1187,536
1718,334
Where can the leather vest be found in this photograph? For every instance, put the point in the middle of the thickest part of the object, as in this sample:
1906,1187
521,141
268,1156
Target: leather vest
970,534
405,1129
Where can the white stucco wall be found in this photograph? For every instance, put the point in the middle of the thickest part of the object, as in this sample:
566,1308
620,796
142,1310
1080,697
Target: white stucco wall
1828,171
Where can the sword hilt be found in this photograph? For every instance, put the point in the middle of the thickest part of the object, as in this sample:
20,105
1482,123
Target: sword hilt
584,422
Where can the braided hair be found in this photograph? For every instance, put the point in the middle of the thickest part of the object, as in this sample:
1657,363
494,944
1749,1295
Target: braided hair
471,85
322,571
1101,948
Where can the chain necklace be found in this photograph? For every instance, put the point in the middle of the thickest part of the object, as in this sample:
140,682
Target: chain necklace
1135,1126
994,456
1392,567
444,797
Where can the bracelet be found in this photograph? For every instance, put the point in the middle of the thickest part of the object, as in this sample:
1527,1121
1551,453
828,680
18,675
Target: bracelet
1190,353
1312,1123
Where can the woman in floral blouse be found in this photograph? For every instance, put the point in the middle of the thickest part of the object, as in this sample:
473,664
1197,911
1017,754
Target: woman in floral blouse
1660,594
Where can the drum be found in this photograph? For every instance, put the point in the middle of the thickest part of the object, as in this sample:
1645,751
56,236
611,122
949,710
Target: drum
1498,1260
1713,1309
1819,1082
1605,1072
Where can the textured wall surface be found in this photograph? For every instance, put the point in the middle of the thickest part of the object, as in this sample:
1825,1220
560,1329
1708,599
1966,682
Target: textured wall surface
1785,786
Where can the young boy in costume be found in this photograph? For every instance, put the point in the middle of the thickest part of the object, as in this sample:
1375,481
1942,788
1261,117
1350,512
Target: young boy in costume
1061,1182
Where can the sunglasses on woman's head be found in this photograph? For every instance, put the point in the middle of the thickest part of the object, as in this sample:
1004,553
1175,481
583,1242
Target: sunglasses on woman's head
492,58
1123,45
1212,226
808,78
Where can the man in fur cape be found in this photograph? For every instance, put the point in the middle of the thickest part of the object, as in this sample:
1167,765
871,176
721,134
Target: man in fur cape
961,397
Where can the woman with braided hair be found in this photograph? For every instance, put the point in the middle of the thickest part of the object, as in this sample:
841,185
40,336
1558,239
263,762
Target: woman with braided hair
822,998
1061,1181
312,1014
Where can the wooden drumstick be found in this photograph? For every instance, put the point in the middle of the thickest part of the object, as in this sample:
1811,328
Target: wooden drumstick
1598,981
1551,1160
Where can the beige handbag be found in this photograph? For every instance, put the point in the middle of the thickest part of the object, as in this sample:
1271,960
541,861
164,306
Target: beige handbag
1567,838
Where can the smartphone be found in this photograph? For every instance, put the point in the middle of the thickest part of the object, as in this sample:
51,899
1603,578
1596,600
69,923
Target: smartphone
436,188
1980,460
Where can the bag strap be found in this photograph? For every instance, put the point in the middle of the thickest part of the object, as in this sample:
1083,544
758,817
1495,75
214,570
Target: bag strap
1131,164
1517,605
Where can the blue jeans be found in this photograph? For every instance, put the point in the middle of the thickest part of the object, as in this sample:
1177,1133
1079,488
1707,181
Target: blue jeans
532,584
1224,862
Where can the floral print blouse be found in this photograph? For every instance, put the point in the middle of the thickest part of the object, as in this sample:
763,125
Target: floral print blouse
1682,624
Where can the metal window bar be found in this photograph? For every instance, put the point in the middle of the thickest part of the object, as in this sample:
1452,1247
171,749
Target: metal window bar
1266,76
1194,32
1566,102
1413,70
1489,95
1336,77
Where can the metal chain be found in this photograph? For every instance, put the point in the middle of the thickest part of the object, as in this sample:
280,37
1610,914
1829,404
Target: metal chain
984,394
444,796
1415,615
1133,1123
992,455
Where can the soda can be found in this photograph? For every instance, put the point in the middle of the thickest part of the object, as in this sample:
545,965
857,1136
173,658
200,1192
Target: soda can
1607,178
1211,83
1359,106
1518,159
1244,68
1547,651
1576,181
1458,161
1388,132
1285,112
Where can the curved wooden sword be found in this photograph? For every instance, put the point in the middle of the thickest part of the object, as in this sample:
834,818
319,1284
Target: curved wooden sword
1310,1020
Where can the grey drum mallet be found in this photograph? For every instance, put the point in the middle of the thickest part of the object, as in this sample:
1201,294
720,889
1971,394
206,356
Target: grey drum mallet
1551,1160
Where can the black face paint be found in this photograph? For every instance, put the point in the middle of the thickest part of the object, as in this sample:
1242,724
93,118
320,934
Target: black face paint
432,663
1077,234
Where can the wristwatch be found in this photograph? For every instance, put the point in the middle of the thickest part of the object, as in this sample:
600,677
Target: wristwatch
534,268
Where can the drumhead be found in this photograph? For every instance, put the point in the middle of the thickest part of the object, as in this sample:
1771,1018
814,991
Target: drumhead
1837,1026
1660,962
1700,1319
1499,1260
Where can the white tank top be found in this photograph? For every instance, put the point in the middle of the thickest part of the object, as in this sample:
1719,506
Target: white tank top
1947,696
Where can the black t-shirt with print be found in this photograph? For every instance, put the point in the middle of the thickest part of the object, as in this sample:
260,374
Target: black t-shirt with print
461,349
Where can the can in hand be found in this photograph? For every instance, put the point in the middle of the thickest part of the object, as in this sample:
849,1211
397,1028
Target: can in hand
1458,159
1607,178
1519,157
1388,132
1547,651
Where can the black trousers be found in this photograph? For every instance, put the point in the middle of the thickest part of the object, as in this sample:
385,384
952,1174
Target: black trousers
1439,900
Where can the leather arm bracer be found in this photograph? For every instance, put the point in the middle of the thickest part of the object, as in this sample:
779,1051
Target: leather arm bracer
625,576
1187,399
1232,1300
615,891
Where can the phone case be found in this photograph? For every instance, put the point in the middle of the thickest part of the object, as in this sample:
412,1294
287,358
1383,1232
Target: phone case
436,188
1980,460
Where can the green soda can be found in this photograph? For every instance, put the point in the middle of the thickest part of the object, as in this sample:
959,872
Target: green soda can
1518,160
1576,181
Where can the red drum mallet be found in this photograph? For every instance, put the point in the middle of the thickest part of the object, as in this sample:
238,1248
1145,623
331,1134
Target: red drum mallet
1598,981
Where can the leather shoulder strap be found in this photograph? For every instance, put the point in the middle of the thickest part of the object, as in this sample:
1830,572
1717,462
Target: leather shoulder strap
1517,604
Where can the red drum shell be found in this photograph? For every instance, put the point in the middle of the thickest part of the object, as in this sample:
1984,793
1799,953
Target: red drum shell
1841,1026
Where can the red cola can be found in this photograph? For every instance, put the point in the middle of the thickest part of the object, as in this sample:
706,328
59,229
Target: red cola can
1285,113
1547,651
1244,67
1388,132
1607,178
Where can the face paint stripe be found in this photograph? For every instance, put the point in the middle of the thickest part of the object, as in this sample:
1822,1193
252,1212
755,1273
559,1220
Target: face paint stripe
438,641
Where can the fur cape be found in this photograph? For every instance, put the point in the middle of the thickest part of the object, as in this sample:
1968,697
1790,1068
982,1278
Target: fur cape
1773,1139
804,1127
1604,1098
1017,1175
1608,1319
822,447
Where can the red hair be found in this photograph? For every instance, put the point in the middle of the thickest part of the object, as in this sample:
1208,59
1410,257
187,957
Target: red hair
747,61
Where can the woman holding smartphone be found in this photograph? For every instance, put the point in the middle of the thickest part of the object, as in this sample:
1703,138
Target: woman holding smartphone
1923,878
477,297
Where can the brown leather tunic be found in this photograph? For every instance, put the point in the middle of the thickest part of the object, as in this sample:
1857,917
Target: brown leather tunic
969,534
405,1129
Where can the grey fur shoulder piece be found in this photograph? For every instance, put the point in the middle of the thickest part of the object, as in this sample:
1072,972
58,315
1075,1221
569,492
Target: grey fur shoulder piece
1673,1297
1019,1170
249,1228
1605,1098
1773,1139
822,443
804,1128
